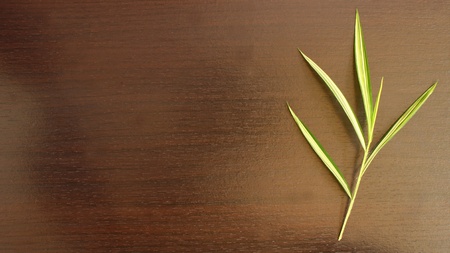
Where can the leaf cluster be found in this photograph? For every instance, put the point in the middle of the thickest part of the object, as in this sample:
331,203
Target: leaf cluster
371,112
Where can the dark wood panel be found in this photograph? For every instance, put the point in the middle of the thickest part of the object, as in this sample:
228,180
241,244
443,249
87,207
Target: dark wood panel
161,126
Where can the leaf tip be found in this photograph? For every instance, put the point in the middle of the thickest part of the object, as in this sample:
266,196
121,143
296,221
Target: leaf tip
381,85
290,109
432,87
301,52
435,84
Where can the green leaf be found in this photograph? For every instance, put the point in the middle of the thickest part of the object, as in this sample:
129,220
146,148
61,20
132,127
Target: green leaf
323,155
375,109
340,98
406,116
362,69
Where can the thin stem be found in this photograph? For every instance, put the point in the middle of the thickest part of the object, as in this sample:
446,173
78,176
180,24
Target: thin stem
355,192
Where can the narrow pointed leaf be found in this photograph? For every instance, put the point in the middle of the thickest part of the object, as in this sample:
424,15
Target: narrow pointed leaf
323,155
375,109
340,98
362,69
406,116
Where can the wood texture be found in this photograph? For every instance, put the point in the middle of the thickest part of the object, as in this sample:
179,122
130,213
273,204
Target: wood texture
161,126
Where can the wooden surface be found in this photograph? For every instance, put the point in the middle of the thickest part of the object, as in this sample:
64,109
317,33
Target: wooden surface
161,126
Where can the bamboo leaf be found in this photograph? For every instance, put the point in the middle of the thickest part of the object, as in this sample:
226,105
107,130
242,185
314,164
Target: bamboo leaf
375,109
362,69
323,155
340,98
406,116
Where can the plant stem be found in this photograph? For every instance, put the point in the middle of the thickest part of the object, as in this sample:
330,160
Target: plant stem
355,192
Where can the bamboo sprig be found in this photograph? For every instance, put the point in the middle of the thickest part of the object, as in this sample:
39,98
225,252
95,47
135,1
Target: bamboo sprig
371,111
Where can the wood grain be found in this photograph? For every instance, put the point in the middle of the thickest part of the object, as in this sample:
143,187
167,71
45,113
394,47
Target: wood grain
161,126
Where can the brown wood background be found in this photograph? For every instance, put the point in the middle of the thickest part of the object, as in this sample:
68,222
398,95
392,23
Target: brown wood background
161,126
